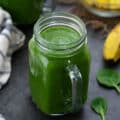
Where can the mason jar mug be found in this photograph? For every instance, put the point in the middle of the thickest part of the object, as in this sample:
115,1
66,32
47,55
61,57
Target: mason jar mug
59,62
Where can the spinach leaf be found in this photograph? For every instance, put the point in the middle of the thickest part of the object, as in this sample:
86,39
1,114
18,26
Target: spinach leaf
99,105
109,78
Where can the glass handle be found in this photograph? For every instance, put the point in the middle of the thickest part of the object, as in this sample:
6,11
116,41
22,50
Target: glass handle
49,6
76,81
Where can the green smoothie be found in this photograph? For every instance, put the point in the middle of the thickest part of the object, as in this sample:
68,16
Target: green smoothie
60,35
50,85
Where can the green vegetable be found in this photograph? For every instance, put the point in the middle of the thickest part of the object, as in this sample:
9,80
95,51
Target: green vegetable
99,105
109,78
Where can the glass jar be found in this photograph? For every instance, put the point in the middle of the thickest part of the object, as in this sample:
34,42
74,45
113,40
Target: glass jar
59,62
103,8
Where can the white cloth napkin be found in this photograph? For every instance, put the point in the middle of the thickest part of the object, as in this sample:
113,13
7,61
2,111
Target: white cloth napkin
1,117
11,39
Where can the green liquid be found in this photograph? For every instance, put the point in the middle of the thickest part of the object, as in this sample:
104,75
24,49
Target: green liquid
60,35
50,85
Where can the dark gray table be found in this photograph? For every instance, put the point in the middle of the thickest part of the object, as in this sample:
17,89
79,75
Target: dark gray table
15,100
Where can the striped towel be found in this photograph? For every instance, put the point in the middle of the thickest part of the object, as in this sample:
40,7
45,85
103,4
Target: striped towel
11,39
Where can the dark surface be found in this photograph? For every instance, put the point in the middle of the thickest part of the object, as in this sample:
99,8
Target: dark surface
15,100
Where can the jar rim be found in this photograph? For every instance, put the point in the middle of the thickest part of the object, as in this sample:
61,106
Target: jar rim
55,46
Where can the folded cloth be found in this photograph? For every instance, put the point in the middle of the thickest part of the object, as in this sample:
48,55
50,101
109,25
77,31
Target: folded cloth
1,117
11,39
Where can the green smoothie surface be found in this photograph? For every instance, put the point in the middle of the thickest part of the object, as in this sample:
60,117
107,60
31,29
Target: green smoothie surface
60,34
